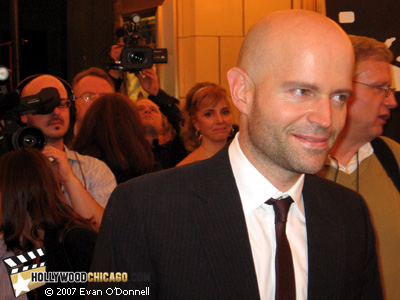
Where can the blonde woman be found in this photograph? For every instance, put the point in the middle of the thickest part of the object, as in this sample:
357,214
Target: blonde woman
207,121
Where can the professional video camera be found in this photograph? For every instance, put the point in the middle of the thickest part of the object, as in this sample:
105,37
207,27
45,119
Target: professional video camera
12,134
133,56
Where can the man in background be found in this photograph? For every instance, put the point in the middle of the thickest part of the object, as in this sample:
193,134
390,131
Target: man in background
86,181
88,85
355,162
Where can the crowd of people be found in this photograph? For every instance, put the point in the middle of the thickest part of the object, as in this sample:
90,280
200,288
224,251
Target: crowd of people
209,230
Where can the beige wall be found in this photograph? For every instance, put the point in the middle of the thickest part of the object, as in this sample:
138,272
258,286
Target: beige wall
210,32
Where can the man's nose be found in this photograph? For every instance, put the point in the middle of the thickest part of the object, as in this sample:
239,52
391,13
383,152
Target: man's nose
56,111
390,101
322,113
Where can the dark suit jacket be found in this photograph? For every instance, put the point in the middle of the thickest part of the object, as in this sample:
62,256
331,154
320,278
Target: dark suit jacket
182,232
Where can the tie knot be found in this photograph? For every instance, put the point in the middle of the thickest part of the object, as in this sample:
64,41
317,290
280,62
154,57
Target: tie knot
281,208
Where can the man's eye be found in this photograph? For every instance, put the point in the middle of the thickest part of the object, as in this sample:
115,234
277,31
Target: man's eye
302,92
89,97
341,97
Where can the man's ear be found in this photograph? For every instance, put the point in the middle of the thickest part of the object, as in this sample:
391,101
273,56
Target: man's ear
242,89
24,119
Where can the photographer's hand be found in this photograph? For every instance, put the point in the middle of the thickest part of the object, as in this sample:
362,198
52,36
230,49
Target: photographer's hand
116,50
81,200
60,162
115,54
149,81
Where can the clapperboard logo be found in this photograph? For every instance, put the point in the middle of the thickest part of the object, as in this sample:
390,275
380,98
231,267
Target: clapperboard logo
20,277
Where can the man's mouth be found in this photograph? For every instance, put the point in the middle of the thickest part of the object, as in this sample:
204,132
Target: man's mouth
312,141
384,117
55,122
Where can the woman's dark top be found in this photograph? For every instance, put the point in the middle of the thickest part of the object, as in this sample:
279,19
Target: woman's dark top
75,256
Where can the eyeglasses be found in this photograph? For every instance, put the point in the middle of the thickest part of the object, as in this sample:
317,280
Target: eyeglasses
65,103
90,97
386,89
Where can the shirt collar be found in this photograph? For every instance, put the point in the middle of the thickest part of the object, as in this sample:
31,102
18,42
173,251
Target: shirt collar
364,152
70,154
254,188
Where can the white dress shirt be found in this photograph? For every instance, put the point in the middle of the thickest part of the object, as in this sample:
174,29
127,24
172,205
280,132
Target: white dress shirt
255,190
364,152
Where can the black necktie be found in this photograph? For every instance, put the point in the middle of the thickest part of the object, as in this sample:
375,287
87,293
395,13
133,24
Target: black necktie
285,282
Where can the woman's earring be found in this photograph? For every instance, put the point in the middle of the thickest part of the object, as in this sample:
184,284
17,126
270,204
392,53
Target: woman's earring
232,132
198,135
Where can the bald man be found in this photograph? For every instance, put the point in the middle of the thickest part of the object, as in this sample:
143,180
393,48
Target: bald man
87,182
205,231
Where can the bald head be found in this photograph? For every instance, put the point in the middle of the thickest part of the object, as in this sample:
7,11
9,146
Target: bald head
289,34
291,85
37,84
55,125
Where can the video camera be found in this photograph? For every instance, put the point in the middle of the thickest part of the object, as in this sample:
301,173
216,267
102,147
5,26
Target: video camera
133,56
12,134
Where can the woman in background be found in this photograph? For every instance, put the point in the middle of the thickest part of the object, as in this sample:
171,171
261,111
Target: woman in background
34,213
112,132
207,121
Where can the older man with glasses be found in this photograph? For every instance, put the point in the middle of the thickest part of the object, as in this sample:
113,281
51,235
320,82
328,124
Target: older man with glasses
88,85
356,158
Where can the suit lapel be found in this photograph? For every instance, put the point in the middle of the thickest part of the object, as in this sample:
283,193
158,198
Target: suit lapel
221,224
222,229
325,238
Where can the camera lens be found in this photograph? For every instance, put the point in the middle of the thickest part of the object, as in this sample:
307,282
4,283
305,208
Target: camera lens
28,137
137,57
